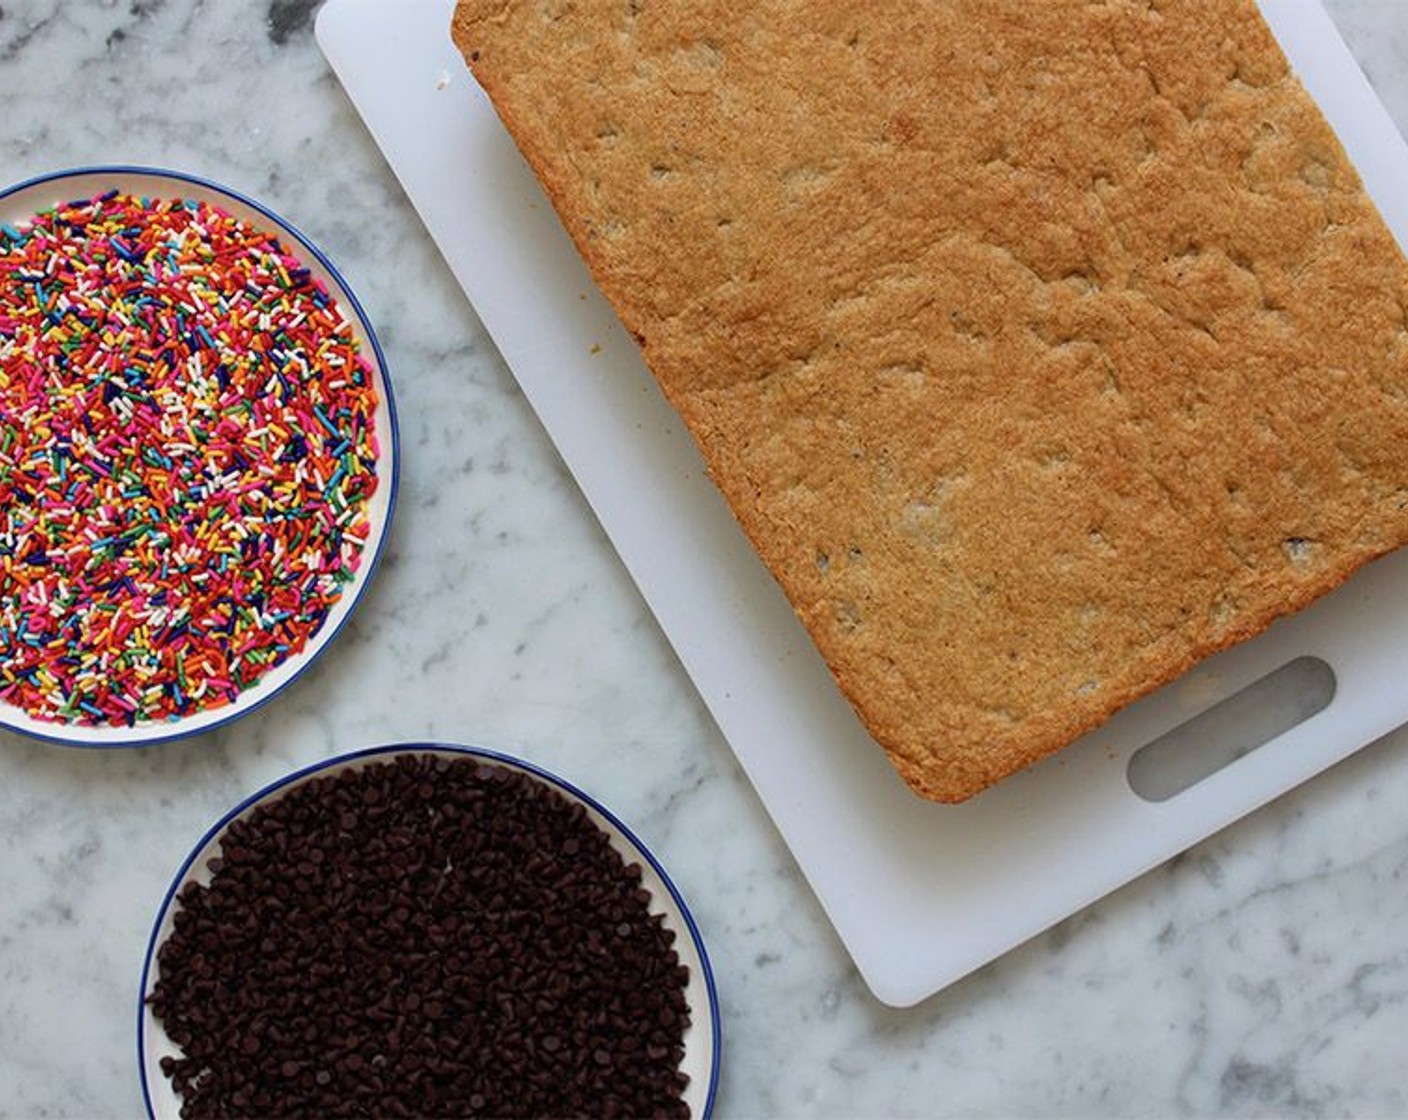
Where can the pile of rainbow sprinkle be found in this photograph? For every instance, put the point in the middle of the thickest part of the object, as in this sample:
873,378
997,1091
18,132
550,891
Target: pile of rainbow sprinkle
187,453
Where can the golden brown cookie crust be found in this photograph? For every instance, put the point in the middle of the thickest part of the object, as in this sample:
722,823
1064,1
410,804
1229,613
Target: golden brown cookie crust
1041,350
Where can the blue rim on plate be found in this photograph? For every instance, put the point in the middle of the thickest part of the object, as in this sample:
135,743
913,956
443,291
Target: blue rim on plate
691,948
43,191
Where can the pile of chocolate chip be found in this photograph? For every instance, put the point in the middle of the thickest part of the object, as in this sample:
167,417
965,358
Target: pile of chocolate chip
428,936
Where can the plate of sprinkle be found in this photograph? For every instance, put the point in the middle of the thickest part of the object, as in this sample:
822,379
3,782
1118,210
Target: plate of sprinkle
197,455
425,929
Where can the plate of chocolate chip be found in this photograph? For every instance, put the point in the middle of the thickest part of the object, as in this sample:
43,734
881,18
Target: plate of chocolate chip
425,930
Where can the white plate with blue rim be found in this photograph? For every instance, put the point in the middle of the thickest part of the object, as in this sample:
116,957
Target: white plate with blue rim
702,1038
99,644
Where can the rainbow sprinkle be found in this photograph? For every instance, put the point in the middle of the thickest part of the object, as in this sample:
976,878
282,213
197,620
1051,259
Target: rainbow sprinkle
187,452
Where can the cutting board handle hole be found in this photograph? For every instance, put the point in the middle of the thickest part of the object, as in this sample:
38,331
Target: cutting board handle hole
1231,729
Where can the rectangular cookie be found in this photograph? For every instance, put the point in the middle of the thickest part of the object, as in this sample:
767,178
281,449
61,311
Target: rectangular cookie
1041,349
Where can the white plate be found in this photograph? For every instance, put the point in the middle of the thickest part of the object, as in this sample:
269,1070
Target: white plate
920,893
26,199
702,1037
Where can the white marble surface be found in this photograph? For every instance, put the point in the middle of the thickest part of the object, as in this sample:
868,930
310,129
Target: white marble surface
1264,973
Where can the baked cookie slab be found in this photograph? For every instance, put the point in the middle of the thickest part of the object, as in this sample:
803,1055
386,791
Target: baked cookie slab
1041,350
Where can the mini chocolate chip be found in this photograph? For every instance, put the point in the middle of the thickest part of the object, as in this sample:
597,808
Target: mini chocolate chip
412,939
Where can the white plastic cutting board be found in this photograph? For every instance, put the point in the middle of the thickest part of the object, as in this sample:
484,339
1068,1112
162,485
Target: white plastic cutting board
920,893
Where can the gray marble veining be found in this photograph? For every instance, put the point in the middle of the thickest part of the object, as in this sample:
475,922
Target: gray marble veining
1263,973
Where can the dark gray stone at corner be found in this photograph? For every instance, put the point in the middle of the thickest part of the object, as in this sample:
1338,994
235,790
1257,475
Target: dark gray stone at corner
288,18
